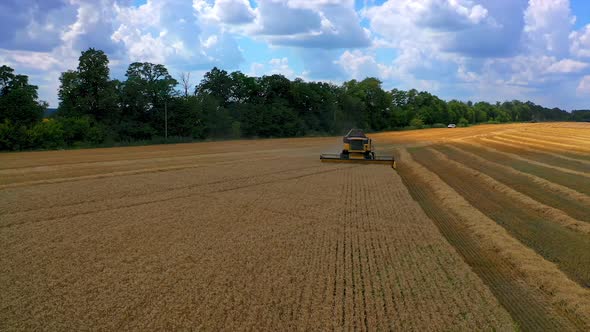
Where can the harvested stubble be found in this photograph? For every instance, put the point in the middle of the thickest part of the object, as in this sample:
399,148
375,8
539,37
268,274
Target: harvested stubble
575,182
574,204
567,248
490,146
551,213
536,155
530,307
567,149
270,239
536,293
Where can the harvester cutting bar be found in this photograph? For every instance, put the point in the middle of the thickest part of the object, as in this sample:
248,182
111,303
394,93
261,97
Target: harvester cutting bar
377,160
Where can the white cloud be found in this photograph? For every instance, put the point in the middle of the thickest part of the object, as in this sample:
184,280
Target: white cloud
281,66
567,66
30,60
465,75
584,87
29,25
315,4
548,24
521,70
513,47
454,26
171,32
256,69
227,11
274,66
580,42
518,49
210,42
359,65
325,24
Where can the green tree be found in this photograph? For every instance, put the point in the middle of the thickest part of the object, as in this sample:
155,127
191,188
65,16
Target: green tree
483,111
94,90
186,118
69,94
463,122
377,113
218,84
47,134
144,96
18,99
88,91
417,123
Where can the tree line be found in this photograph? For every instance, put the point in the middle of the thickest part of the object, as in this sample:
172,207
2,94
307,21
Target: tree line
152,106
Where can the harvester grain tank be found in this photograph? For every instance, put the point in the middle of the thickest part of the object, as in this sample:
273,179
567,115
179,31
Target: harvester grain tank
358,148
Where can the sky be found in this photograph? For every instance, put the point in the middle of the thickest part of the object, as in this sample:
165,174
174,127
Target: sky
479,50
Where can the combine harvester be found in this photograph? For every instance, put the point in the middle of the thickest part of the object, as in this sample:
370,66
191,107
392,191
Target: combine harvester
358,148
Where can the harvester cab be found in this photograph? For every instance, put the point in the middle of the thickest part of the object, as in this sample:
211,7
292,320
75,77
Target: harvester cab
357,148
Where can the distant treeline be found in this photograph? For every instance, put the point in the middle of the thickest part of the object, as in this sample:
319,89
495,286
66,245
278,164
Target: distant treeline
147,106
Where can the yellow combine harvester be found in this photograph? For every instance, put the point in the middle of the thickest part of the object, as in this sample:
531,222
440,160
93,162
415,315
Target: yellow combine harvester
358,148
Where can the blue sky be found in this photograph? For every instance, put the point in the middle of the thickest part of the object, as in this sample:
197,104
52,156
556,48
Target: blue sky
492,50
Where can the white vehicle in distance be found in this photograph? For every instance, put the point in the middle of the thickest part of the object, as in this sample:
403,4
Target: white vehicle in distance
452,125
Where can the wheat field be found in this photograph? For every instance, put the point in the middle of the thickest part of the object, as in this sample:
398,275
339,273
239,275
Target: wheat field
479,228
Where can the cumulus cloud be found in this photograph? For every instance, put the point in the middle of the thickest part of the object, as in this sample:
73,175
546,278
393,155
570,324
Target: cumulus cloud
278,18
323,24
48,36
281,66
584,86
94,24
273,66
467,45
548,24
455,47
490,28
169,31
567,66
580,42
227,11
359,65
30,25
39,61
322,64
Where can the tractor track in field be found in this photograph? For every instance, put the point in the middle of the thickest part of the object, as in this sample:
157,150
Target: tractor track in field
175,197
156,191
125,173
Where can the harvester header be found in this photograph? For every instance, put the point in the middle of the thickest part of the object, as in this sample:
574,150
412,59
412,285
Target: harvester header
358,148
